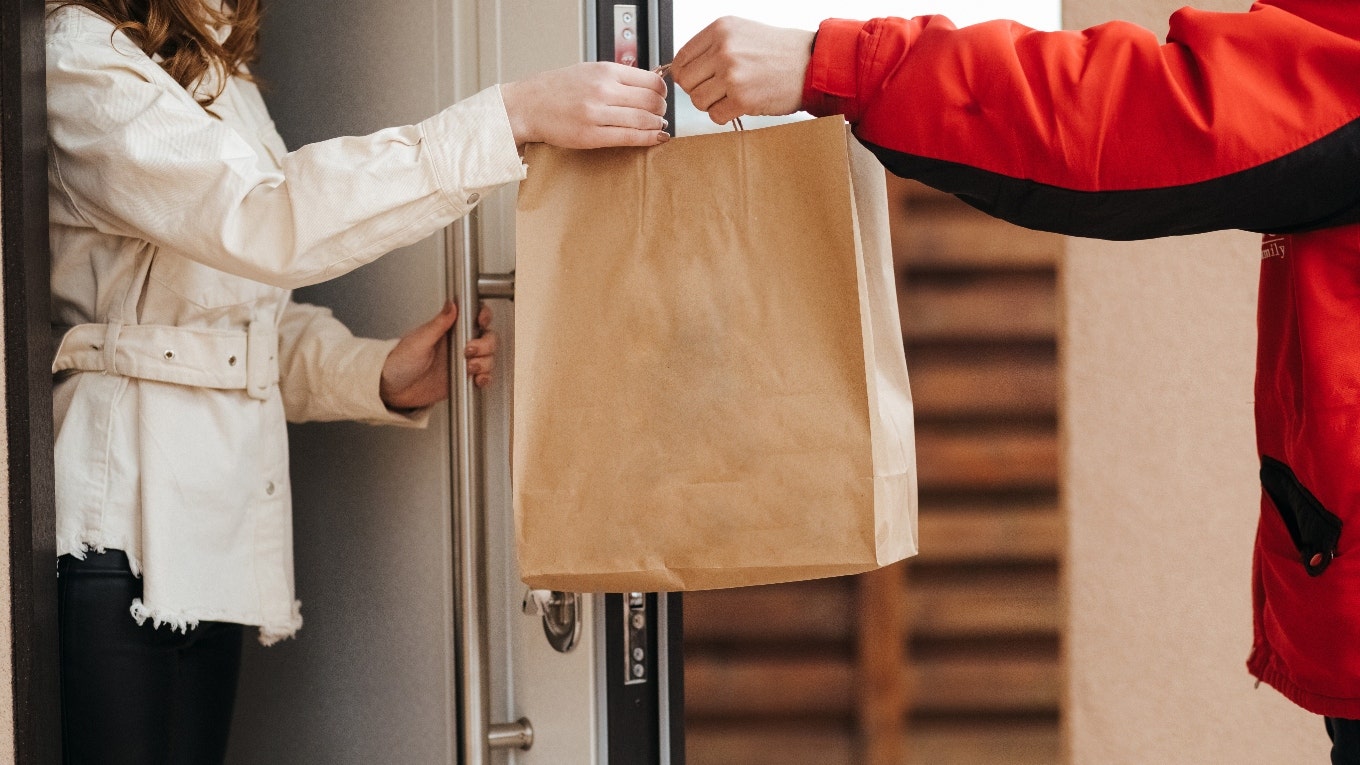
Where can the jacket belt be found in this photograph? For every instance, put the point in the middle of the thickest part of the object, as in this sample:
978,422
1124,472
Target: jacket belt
205,358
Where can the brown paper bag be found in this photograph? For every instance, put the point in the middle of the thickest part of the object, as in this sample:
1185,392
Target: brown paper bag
710,388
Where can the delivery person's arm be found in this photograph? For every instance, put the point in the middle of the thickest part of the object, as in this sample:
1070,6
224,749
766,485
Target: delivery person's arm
1240,120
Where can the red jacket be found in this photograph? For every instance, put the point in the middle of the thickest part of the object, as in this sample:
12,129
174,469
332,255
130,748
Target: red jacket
1240,120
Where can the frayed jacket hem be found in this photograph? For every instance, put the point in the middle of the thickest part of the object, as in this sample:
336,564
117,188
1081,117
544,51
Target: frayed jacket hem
183,620
79,545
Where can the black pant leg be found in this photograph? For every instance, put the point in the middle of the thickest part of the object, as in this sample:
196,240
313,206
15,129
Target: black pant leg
136,695
205,693
1345,736
116,677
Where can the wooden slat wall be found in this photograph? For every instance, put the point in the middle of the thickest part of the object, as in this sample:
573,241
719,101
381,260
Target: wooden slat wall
952,658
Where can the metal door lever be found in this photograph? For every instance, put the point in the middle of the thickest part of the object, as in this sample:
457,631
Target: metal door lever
478,735
561,612
515,735
496,286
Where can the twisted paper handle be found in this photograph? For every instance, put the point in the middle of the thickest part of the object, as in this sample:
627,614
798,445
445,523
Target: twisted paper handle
665,71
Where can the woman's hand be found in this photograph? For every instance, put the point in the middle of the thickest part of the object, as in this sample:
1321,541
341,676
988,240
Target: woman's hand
416,373
736,67
588,106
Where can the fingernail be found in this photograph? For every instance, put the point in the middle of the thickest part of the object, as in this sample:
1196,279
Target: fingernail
665,123
663,136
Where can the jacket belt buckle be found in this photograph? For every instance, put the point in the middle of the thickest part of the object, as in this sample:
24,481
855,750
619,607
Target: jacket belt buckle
262,349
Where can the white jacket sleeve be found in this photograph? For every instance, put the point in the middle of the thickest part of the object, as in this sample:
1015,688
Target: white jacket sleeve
326,373
140,158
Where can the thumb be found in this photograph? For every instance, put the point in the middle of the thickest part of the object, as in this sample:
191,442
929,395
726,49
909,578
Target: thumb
431,331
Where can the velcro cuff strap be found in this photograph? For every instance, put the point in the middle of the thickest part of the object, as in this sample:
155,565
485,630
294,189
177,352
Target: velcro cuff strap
831,85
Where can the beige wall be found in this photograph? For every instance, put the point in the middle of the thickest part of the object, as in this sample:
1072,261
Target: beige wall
1162,494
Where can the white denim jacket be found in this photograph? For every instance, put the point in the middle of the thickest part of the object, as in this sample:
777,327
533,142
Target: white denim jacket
176,238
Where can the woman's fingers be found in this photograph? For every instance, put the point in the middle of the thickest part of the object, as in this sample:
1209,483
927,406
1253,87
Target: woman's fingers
622,116
640,99
619,136
587,106
429,333
481,354
643,79
415,372
483,346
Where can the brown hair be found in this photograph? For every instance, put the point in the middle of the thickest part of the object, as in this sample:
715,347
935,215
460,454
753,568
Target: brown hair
181,32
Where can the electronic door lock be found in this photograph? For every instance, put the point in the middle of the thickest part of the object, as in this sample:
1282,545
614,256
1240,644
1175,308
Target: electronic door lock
561,612
626,35
635,641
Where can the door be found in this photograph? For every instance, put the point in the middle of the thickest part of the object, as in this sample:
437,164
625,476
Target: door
417,645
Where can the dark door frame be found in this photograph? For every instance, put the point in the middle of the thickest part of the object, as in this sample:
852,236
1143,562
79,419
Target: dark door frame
24,265
633,710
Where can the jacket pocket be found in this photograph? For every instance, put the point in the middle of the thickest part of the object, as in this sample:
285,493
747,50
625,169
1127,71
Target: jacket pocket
1314,529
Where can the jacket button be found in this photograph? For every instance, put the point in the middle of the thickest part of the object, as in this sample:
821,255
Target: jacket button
231,361
169,354
472,200
269,488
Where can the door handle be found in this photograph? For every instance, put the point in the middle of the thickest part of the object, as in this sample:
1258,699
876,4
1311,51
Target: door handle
477,735
496,285
561,613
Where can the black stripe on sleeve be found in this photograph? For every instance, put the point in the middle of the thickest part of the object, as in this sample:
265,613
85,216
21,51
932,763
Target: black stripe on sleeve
1314,187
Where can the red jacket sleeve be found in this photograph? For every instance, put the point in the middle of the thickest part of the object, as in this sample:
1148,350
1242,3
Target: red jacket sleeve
1240,120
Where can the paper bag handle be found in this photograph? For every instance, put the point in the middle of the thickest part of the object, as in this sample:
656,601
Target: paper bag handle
665,71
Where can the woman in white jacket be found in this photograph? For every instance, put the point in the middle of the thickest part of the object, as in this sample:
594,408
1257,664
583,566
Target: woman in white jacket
179,225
